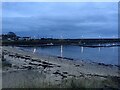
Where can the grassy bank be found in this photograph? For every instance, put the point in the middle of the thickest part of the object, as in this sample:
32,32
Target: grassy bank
33,79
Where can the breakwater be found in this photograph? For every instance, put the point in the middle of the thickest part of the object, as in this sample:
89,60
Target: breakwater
47,41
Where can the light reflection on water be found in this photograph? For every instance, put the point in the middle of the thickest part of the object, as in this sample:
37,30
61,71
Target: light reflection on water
108,55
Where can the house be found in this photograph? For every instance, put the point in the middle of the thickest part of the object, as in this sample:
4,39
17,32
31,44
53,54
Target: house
24,38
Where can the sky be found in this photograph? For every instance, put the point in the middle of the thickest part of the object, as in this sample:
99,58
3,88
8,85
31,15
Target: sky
60,19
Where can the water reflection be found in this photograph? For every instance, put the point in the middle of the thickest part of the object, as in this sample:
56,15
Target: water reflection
34,50
99,49
61,50
82,49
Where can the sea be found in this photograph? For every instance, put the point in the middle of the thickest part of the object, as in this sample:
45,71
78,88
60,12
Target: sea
106,55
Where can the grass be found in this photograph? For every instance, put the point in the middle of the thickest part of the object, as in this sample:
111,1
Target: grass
84,83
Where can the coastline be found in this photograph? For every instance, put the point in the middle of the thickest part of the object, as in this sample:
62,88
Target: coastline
21,63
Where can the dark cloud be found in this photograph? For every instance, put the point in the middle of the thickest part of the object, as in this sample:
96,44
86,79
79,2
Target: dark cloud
72,20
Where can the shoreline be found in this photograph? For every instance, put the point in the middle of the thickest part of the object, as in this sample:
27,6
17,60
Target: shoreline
72,58
55,69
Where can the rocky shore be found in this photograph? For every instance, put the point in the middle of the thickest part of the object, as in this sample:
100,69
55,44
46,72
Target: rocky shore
24,69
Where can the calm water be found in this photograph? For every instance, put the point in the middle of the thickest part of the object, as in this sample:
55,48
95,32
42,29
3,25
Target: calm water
108,55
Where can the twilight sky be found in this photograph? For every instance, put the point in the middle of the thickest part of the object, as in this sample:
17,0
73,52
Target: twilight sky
69,20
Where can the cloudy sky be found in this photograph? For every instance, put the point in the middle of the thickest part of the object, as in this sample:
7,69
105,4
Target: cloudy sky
69,20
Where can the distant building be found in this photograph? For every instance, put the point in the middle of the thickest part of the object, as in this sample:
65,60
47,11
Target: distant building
24,38
9,36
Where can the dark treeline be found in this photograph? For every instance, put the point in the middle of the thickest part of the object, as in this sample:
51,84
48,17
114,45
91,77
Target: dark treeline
38,42
12,39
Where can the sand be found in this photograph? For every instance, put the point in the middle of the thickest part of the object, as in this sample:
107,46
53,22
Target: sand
27,69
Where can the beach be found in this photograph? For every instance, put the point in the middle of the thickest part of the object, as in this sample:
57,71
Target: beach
25,69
